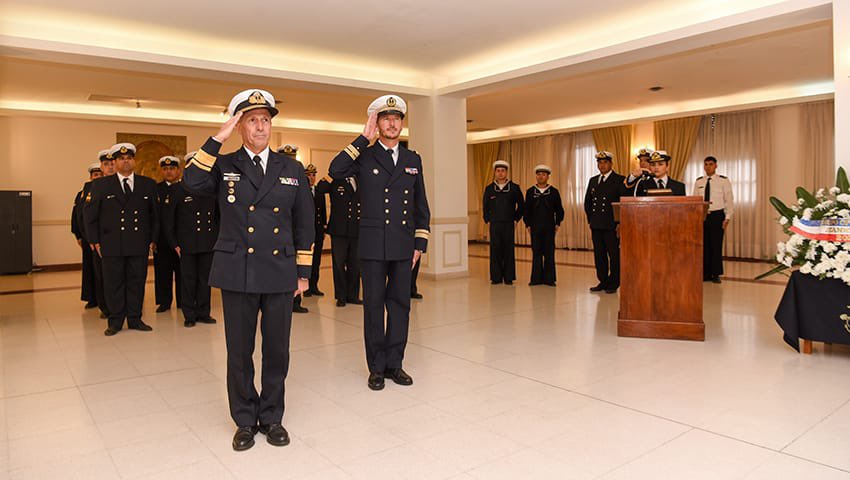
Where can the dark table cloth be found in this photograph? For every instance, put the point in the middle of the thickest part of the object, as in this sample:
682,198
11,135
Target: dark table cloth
811,309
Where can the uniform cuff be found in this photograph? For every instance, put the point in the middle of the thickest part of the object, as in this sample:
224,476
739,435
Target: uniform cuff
205,157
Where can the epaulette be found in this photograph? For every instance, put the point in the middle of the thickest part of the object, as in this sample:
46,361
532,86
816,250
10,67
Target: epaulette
721,176
700,178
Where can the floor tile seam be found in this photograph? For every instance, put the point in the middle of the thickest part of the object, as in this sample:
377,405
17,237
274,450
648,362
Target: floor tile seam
648,452
815,425
483,316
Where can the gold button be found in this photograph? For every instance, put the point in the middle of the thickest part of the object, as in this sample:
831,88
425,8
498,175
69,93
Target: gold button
275,252
250,229
199,221
122,229
122,211
405,202
136,212
197,213
406,192
199,229
405,212
231,184
386,190
230,191
136,229
122,219
250,249
275,210
388,221
276,230
404,222
387,210
386,200
136,220
252,208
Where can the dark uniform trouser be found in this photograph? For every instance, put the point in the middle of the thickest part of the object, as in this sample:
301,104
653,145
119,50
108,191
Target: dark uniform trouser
712,248
502,262
99,292
317,259
543,258
124,285
240,331
89,284
346,268
195,293
166,269
385,286
606,257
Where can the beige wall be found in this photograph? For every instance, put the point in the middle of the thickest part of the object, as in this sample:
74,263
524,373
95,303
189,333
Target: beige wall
49,156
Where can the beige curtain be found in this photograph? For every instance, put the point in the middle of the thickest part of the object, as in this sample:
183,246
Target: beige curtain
483,156
617,140
817,144
742,142
677,137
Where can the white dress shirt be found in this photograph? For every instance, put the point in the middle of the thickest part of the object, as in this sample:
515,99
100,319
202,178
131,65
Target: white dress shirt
130,180
264,157
394,149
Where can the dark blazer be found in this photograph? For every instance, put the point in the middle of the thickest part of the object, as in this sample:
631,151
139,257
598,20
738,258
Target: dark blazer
122,225
677,187
189,221
395,216
503,205
322,188
598,199
345,209
266,235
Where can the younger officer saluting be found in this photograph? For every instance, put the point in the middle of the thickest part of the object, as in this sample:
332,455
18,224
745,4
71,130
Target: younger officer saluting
659,163
122,222
393,233
717,191
166,263
89,284
543,216
190,229
262,257
503,206
601,191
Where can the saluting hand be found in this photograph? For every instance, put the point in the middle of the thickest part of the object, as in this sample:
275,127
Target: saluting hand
370,131
227,129
640,171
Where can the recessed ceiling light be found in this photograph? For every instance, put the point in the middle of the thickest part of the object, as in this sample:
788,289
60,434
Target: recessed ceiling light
656,88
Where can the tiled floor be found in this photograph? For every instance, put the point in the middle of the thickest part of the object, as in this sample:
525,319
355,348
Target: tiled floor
510,382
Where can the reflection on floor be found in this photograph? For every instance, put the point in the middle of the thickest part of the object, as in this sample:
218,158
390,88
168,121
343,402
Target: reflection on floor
510,382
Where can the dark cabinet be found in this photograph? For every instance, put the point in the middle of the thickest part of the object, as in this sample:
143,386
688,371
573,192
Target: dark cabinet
15,231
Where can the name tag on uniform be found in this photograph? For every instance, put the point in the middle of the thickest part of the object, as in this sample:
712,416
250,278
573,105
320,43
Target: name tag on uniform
289,181
108,197
231,176
411,171
187,199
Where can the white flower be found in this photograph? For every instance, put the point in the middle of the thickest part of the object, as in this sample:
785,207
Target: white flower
795,208
834,191
846,277
806,268
844,198
801,202
828,247
807,214
783,221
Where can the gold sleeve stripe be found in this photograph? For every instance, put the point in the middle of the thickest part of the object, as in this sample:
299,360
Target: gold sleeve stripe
200,165
422,233
203,158
304,259
352,152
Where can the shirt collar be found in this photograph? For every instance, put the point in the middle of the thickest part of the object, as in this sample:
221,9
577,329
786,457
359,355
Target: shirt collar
122,177
394,149
502,186
264,155
541,190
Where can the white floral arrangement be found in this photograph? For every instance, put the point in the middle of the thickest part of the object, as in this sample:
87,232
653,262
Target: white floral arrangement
818,226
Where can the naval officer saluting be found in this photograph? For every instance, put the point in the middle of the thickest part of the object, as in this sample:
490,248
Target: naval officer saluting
262,257
394,233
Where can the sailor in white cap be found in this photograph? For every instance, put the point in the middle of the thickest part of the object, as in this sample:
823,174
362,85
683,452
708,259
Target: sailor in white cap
122,222
543,216
644,172
89,283
166,263
394,232
262,258
503,207
602,190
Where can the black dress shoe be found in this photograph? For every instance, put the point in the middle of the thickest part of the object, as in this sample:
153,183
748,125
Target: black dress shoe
110,331
316,292
509,282
715,280
208,319
496,282
399,376
356,301
531,284
610,290
90,305
243,439
189,323
549,284
416,295
275,434
140,326
299,309
340,303
163,308
307,294
597,288
103,315
376,381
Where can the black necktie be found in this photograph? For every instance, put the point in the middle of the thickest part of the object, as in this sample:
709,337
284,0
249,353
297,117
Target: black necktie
390,151
127,189
660,183
258,167
601,179
708,190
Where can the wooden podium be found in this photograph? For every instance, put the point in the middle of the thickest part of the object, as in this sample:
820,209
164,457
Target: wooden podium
661,267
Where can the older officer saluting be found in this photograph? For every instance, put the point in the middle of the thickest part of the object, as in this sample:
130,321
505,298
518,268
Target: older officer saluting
262,257
393,233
